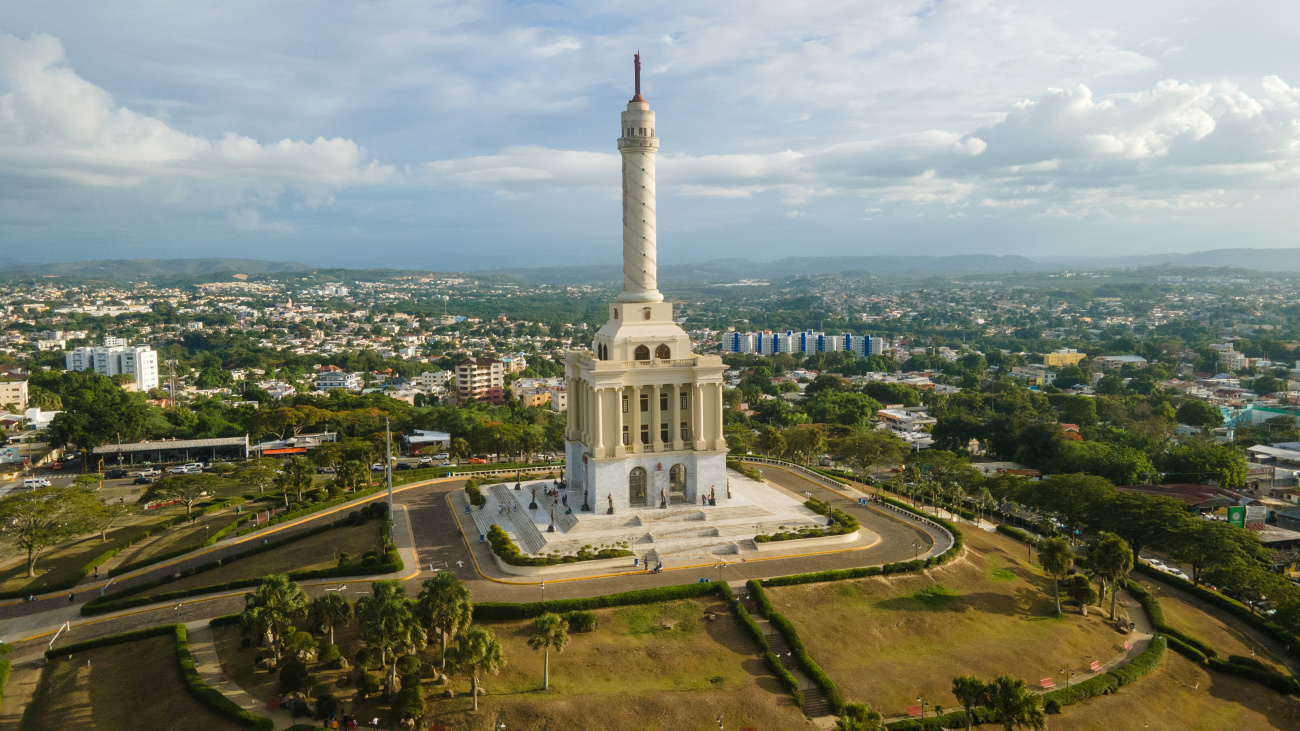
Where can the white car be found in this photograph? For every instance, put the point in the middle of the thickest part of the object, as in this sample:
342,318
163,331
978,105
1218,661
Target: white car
441,455
445,463
31,483
1178,573
1156,564
178,470
151,472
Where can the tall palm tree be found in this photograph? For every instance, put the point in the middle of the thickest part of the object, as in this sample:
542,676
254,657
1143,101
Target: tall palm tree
478,651
1012,704
1112,559
271,609
443,604
330,610
388,624
549,630
969,692
1056,558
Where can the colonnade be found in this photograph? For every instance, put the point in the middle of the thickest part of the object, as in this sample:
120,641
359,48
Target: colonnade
611,421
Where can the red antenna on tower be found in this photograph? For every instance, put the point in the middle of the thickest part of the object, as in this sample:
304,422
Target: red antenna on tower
636,64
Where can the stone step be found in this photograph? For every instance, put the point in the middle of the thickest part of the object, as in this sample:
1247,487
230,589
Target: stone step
815,702
526,534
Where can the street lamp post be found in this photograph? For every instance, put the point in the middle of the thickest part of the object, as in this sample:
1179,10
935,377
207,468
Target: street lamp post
1068,674
916,550
921,699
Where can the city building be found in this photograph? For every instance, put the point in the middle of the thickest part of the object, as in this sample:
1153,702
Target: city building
116,357
481,379
645,413
809,341
13,394
1063,357
334,377
1115,362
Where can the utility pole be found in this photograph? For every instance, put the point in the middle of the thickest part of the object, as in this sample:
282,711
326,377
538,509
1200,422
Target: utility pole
388,450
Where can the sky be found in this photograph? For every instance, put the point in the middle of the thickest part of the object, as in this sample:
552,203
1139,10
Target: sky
470,135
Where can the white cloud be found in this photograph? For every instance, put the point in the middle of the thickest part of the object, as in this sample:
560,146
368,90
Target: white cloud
53,123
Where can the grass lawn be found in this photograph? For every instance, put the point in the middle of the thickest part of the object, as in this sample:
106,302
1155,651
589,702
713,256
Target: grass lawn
61,562
1183,695
886,640
126,687
183,535
1224,633
313,552
632,672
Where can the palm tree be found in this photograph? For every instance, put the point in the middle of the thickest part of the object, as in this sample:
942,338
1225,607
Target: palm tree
330,610
549,630
984,500
478,651
460,450
1012,704
388,624
270,610
443,605
1055,557
969,692
1112,559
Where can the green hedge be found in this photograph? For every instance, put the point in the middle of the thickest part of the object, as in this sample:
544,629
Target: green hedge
1149,603
744,469
841,523
785,677
801,656
1197,644
502,610
167,556
206,694
107,640
1229,605
1184,649
225,620
126,598
1017,534
507,551
6,667
1112,681
1144,663
1281,683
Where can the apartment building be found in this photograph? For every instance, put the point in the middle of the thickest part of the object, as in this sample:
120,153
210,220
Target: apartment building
116,357
13,393
331,379
481,379
809,341
1063,357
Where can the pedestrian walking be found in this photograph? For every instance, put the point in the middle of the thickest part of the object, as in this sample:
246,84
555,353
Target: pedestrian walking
71,598
375,723
96,572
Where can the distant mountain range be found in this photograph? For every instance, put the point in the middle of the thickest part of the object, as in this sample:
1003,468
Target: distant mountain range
1269,260
131,269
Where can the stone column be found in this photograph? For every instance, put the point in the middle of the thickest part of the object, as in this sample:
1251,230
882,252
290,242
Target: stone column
634,405
656,418
715,410
598,422
697,416
620,420
675,408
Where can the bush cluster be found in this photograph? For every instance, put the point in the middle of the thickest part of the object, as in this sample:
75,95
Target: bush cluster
581,621
507,551
1257,672
501,610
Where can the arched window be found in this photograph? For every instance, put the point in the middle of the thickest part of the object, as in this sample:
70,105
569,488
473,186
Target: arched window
642,353
677,483
636,488
663,352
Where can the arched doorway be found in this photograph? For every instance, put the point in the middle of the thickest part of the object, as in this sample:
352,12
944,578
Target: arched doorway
677,484
636,488
663,352
642,353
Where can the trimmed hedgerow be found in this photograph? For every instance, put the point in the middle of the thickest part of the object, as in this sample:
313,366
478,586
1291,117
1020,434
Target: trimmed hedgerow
744,469
1110,682
783,676
225,619
1148,601
1229,605
108,640
841,523
1277,681
1196,644
801,656
1144,663
206,694
1184,649
1017,534
501,610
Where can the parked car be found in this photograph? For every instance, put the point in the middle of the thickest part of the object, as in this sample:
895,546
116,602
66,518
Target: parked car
31,483
142,480
404,466
377,467
151,472
324,470
445,463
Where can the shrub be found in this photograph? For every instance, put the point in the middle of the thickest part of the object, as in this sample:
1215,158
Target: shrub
367,658
1278,682
345,558
325,705
367,684
1184,649
1249,662
475,494
409,665
1144,663
378,509
581,621
1016,533
293,676
328,653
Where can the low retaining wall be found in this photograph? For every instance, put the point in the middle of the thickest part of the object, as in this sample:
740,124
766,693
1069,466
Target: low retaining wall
623,562
797,543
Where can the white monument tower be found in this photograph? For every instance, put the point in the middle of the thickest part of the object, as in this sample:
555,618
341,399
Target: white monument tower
645,413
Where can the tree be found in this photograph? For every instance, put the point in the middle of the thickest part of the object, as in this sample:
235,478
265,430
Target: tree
1074,499
1203,544
36,520
1248,582
969,692
352,474
297,477
387,624
443,604
859,717
1202,459
771,441
1199,414
1012,704
478,651
185,489
330,610
1057,560
804,441
271,609
1080,590
550,630
102,517
460,450
1079,410
1142,520
864,450
1111,561
256,472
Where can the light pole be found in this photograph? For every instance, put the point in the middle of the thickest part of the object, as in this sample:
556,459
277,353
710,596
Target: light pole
1068,674
916,550
921,699
543,591
720,565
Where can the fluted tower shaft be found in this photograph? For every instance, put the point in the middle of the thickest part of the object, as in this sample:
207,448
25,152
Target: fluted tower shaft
638,146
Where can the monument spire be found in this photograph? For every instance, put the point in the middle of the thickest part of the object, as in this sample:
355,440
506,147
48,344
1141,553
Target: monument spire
638,146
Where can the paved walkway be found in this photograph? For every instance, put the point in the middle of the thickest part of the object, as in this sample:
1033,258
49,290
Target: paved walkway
206,661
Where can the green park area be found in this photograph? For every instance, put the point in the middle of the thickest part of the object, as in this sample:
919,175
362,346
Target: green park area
886,640
125,687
